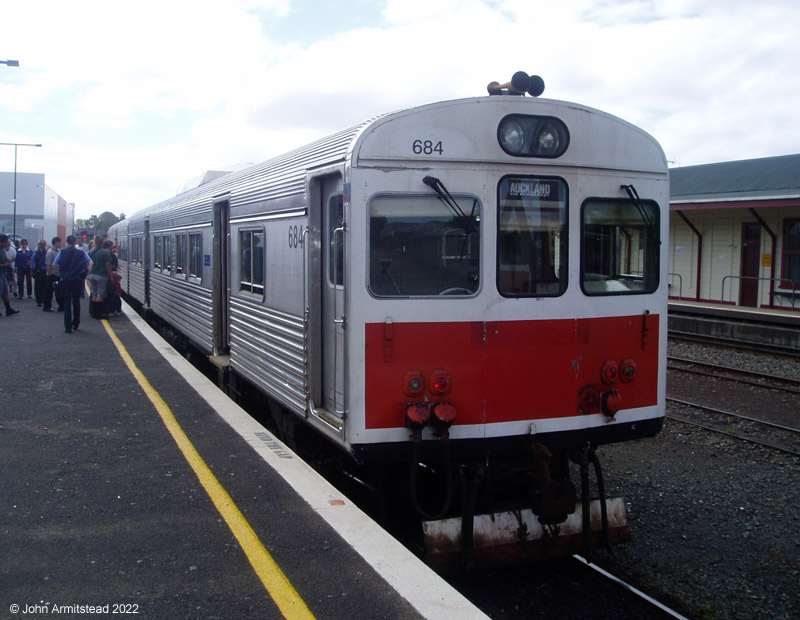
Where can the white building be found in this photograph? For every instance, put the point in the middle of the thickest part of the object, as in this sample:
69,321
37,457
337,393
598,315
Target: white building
735,232
40,212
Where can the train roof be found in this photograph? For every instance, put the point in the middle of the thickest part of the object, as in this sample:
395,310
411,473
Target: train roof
284,177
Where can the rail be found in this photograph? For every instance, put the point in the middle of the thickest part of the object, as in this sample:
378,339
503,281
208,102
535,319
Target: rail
680,283
793,294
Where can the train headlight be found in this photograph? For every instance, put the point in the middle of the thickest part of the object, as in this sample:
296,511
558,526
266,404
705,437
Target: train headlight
549,139
511,136
524,135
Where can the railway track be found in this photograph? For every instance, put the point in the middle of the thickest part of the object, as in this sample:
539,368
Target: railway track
739,426
729,343
748,377
659,609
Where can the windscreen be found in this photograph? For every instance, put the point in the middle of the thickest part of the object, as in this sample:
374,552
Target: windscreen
420,246
619,247
532,237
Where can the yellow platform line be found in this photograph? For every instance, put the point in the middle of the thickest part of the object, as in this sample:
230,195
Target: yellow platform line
279,587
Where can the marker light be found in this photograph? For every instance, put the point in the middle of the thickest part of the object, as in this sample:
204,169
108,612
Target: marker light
627,370
413,383
610,372
440,382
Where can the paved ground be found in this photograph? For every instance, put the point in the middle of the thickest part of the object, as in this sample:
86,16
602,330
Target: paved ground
99,507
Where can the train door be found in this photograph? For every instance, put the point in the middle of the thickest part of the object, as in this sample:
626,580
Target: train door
221,277
751,264
332,296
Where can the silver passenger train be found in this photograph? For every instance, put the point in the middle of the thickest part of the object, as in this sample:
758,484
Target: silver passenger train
472,292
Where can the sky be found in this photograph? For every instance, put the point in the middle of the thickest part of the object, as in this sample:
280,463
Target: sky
132,99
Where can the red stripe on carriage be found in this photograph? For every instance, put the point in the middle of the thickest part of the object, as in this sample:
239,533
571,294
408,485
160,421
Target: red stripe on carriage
505,371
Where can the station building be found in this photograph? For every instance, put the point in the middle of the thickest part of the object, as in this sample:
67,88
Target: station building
735,233
41,212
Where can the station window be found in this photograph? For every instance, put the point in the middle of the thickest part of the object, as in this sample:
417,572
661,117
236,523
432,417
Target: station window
532,237
251,252
196,256
420,246
619,246
790,271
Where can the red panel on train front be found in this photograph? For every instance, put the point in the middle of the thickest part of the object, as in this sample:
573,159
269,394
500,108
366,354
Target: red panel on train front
507,371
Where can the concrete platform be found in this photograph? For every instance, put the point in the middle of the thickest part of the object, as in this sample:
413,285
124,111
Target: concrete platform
102,503
757,326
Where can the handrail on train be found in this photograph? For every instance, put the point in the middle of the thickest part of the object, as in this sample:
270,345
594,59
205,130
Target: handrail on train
794,291
680,284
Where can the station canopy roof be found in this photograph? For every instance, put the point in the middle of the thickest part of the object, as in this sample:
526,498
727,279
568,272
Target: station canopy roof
764,180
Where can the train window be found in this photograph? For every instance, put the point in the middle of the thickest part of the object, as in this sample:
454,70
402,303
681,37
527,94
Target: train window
532,237
419,246
251,252
336,252
158,245
167,263
619,246
196,256
180,254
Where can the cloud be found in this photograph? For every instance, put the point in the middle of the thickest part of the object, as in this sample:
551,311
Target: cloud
130,100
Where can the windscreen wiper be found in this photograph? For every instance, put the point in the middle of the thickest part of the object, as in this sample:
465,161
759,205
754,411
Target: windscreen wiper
437,186
648,219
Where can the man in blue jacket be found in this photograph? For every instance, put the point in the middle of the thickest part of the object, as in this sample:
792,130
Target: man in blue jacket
23,265
74,265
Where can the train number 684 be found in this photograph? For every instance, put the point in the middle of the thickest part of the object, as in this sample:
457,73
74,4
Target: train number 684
427,147
295,237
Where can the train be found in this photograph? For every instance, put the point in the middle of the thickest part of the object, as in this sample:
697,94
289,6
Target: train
470,295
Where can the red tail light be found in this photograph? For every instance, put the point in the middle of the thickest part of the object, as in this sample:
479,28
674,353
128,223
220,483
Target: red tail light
610,372
440,382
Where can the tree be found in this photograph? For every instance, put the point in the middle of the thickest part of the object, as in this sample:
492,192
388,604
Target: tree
98,224
106,220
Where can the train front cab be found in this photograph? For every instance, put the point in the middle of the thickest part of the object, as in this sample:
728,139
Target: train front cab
512,315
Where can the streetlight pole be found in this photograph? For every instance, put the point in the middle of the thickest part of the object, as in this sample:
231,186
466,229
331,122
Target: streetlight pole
14,200
10,63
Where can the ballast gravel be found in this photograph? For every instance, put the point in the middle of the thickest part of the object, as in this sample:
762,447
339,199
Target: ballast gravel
715,521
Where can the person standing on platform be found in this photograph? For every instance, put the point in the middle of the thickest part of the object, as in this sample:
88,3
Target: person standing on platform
11,254
113,304
52,278
23,265
39,271
99,277
5,261
73,264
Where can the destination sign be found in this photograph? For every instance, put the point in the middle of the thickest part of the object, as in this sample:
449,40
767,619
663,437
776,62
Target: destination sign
527,189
